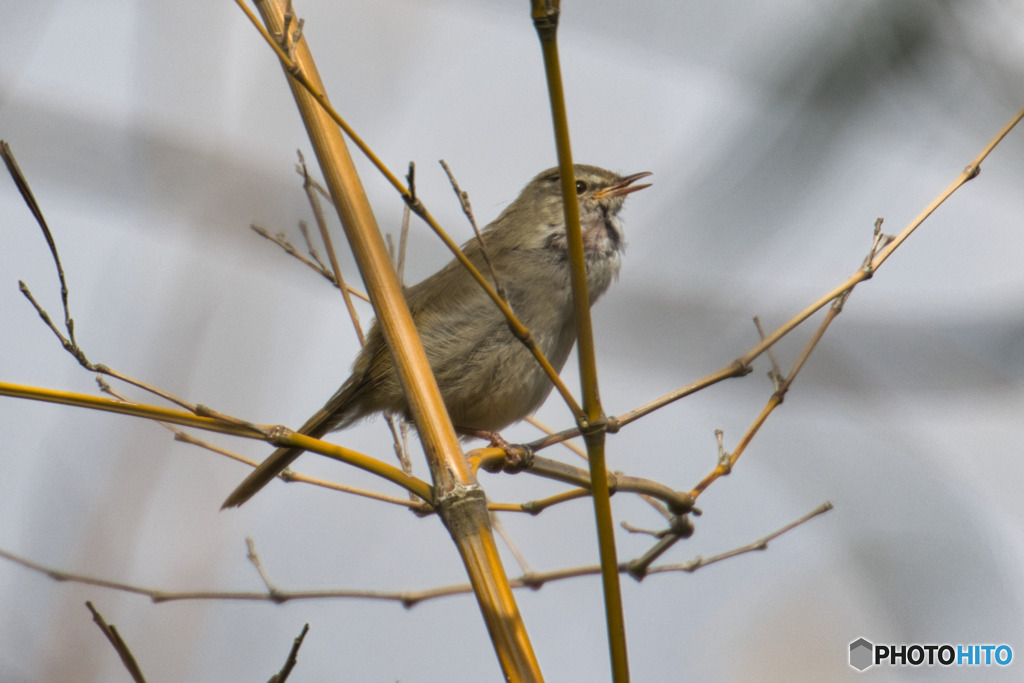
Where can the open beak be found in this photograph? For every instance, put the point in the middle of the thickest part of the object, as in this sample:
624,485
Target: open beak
624,186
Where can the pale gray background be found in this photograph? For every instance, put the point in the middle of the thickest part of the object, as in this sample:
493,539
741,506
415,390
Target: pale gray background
153,133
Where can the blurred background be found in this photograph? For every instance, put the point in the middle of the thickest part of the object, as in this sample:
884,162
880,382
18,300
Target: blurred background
154,133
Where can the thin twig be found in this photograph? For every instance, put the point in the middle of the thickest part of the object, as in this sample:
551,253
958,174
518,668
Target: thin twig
760,544
884,248
121,647
276,435
775,373
293,658
535,507
37,212
638,530
400,439
414,503
493,459
254,558
550,433
403,245
408,598
68,342
241,427
314,253
314,191
468,210
659,507
316,265
498,527
726,461
325,236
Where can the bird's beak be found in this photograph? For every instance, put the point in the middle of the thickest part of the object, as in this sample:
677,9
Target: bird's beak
624,186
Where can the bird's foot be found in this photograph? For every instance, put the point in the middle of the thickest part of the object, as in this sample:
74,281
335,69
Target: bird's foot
518,457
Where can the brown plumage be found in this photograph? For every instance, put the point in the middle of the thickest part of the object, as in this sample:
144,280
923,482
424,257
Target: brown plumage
488,379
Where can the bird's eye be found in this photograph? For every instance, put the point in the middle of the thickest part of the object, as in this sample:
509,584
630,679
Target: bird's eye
581,186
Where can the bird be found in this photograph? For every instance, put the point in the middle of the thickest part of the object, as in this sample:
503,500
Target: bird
487,377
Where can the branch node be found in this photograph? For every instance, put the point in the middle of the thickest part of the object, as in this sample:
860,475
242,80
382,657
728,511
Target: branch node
637,569
612,425
588,428
278,434
411,177
724,457
532,581
879,241
740,369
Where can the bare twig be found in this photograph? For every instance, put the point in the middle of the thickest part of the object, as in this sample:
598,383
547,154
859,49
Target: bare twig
403,244
293,658
325,236
400,440
314,191
499,528
254,558
638,530
288,476
493,459
467,209
535,507
237,426
550,432
314,253
414,503
614,424
660,507
726,460
314,262
275,435
68,342
533,580
775,373
760,544
680,526
37,212
121,647
882,248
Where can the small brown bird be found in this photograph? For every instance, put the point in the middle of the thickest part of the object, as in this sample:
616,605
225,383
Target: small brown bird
488,379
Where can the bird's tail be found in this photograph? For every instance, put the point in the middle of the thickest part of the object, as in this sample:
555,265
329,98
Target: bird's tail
340,411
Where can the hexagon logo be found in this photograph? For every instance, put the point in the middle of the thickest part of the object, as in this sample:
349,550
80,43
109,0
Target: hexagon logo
861,654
